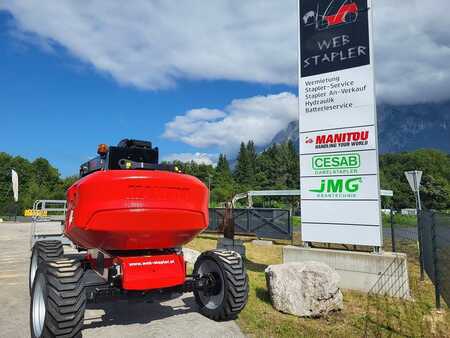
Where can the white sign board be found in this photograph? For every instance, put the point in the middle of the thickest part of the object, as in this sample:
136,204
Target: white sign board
340,189
387,193
414,177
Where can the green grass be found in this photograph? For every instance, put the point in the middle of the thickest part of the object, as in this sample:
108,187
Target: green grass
400,220
260,319
296,222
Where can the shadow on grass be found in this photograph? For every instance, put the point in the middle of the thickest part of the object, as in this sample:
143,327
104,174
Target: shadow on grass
263,295
255,267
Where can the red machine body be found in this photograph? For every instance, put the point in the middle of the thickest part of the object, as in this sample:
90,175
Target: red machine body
340,16
116,210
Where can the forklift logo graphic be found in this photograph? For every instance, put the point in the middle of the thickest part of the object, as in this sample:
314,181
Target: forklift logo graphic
308,140
337,13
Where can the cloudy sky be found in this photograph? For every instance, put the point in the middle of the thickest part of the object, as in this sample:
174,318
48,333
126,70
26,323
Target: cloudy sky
196,77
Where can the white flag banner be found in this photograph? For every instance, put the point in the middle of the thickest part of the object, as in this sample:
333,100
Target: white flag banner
15,184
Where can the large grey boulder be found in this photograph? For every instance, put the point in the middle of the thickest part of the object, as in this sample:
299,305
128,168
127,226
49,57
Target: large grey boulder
305,289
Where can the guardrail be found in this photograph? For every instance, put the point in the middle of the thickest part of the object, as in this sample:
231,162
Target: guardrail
48,211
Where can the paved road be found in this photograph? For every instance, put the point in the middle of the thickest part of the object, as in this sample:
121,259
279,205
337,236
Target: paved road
174,318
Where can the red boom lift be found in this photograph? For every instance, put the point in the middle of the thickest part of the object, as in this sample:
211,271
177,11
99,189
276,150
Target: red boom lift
338,12
128,217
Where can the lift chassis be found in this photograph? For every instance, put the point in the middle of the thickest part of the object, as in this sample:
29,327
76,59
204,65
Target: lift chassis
63,284
64,281
123,226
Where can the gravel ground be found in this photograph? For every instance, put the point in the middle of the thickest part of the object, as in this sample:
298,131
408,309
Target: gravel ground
174,318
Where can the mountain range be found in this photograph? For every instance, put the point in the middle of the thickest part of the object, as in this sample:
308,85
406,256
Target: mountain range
400,128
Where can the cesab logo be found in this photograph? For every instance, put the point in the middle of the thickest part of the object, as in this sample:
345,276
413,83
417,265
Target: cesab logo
347,161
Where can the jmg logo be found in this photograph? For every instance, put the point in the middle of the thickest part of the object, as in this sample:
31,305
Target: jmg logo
338,185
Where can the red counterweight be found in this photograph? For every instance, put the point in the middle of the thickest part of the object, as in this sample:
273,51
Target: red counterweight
135,210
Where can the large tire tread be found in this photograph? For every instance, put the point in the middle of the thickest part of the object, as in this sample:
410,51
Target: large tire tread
46,251
49,250
65,298
236,284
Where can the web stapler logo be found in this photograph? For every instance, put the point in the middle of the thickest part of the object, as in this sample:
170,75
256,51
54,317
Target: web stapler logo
338,12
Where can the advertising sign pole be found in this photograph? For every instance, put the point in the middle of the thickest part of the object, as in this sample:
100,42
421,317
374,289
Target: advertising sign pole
339,174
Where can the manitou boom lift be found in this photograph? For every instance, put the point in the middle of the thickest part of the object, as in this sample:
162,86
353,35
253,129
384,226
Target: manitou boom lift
128,218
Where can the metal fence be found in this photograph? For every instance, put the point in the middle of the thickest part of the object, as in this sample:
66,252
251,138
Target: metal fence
390,312
434,230
399,234
261,222
429,243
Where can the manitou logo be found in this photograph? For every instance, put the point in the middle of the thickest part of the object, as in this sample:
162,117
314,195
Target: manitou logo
338,186
340,140
342,137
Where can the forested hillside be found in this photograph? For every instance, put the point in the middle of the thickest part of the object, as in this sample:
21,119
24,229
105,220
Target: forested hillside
277,167
435,185
37,180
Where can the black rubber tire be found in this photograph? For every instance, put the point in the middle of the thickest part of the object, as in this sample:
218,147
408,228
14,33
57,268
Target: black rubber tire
43,251
61,284
235,284
350,17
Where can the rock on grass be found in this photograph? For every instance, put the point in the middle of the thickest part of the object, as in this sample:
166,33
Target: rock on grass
306,289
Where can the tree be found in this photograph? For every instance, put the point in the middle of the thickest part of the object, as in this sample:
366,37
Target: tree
37,180
435,180
243,173
293,166
223,167
252,155
222,183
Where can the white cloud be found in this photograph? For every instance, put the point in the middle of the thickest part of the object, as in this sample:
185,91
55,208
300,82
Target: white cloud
200,158
153,44
412,51
256,118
